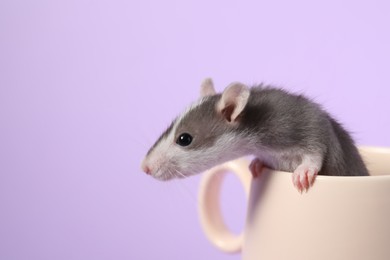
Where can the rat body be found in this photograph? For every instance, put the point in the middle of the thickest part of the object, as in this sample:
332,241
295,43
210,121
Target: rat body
284,131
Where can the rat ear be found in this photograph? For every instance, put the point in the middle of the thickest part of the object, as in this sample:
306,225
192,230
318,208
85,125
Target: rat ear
207,88
234,99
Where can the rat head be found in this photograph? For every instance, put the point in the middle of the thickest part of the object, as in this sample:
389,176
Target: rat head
202,136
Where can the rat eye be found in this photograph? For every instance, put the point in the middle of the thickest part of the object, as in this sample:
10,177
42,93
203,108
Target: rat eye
184,139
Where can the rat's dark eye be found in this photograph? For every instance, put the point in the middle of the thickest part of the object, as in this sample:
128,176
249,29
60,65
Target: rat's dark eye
184,139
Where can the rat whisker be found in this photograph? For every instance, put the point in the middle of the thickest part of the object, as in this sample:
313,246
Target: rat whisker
185,189
170,174
180,174
138,141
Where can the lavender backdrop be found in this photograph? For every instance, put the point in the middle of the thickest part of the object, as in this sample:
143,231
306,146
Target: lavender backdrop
87,86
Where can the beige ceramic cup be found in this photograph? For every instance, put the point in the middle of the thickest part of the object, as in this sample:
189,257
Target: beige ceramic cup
339,218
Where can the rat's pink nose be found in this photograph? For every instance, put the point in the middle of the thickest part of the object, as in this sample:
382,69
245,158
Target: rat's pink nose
146,169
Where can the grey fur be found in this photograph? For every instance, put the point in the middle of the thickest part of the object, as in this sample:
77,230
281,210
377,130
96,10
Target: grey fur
275,120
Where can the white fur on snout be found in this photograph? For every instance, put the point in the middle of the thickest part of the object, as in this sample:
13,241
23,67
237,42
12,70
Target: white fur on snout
159,161
227,147
169,160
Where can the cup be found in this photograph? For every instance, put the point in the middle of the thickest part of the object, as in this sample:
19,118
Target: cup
346,218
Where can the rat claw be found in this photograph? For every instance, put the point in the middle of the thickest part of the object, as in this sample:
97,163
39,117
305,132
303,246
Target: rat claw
311,178
256,166
296,182
303,177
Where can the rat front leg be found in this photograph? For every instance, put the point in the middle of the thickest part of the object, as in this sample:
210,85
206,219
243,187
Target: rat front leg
256,166
304,175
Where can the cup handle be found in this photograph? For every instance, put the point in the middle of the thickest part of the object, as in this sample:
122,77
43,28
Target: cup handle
209,207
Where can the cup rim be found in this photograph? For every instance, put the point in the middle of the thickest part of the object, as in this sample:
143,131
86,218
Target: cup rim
380,151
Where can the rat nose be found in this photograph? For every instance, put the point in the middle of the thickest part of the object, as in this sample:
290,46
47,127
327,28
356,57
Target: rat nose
146,169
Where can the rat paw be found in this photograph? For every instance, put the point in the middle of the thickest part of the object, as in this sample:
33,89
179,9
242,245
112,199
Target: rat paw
256,166
303,177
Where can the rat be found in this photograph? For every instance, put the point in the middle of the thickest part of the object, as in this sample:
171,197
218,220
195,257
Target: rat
284,131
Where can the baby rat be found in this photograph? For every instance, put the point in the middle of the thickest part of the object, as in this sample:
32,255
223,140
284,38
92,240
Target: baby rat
283,131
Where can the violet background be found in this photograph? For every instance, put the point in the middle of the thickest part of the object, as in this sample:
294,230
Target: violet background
87,86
